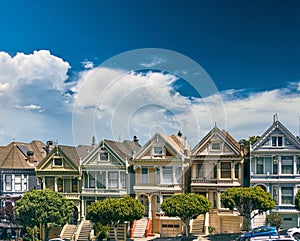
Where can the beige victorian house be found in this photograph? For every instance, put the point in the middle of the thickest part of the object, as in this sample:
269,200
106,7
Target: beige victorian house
217,164
161,167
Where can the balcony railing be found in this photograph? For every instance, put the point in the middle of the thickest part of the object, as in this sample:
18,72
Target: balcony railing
93,191
211,181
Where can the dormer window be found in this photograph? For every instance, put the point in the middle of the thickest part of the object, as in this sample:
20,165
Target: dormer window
277,141
103,156
216,146
58,161
157,151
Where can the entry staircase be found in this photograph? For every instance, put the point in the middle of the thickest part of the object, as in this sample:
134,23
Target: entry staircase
69,231
198,225
85,230
140,228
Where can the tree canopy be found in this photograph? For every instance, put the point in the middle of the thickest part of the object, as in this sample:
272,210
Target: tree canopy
297,200
43,207
250,141
246,200
115,211
186,206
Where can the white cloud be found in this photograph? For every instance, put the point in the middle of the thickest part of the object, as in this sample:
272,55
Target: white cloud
87,64
31,89
115,104
154,62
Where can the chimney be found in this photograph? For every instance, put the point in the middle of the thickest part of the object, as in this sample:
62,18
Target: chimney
242,147
135,139
30,157
49,146
93,141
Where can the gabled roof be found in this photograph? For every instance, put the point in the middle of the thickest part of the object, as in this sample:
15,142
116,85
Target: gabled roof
223,135
14,155
121,150
277,125
71,154
173,143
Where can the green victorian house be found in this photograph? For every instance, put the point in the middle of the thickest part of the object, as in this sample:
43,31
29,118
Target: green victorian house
60,171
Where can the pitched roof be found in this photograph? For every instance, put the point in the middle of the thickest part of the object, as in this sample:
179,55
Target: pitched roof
276,125
123,149
174,142
14,155
224,135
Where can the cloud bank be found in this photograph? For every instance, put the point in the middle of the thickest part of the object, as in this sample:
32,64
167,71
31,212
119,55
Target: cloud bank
39,102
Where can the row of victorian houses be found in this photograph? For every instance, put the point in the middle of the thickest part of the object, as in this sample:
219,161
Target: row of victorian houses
164,166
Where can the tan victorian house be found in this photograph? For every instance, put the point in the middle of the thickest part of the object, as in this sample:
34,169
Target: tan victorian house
60,171
217,164
160,171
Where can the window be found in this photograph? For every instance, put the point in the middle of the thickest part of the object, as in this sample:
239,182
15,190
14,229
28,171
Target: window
144,175
49,182
287,165
59,185
113,180
275,194
287,195
215,172
200,170
298,165
215,199
8,182
275,165
157,151
92,180
57,161
167,175
157,175
101,179
215,146
103,156
237,170
225,169
259,165
74,185
178,174
277,141
123,180
18,182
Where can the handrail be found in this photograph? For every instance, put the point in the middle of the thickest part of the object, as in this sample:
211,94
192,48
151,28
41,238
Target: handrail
148,229
132,229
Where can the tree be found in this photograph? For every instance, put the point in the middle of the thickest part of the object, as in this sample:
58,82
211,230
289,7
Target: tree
274,219
115,211
186,206
250,141
297,200
43,207
246,200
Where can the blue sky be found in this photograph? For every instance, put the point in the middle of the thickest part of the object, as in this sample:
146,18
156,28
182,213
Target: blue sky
249,49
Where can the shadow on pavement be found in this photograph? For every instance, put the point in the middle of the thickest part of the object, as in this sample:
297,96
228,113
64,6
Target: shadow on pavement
223,237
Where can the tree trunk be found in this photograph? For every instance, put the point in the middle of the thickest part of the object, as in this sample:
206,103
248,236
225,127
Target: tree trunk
115,232
47,232
186,227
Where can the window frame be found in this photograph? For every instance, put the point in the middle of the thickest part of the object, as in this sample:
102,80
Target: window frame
55,159
226,170
144,177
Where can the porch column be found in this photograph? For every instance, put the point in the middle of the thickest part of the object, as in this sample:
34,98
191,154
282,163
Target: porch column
150,207
83,208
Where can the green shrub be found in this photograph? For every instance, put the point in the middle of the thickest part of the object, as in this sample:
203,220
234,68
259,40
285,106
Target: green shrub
274,220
